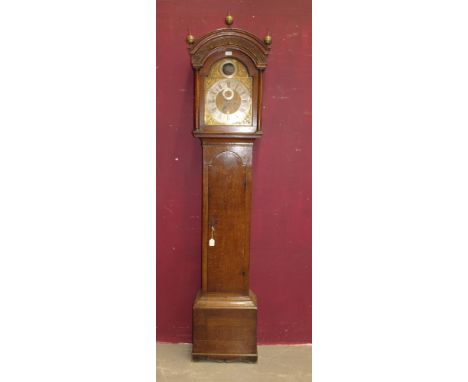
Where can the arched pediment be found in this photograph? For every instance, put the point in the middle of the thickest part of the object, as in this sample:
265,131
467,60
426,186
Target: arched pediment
229,38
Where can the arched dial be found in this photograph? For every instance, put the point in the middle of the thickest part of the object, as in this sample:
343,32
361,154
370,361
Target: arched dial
228,94
228,101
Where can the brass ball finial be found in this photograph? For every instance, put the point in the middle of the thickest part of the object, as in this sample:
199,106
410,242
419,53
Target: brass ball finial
229,19
267,39
190,38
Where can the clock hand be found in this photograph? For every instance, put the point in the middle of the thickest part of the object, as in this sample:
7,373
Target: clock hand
225,105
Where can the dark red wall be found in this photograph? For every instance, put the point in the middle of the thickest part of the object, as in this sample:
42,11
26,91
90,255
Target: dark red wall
281,227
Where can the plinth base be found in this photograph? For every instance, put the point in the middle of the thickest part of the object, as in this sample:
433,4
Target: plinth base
250,358
225,327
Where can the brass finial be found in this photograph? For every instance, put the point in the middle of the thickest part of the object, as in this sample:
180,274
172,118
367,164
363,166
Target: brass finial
267,39
229,19
190,38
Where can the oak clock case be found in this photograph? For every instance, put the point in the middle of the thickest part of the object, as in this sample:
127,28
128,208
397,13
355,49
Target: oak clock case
228,67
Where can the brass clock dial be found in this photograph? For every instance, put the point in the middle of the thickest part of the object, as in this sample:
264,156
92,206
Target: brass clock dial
228,97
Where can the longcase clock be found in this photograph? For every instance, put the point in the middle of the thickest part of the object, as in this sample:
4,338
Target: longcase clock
228,67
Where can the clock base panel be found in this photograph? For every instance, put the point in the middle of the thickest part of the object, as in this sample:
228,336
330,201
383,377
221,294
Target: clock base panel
225,327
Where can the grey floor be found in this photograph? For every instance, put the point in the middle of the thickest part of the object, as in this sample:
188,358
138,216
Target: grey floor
275,363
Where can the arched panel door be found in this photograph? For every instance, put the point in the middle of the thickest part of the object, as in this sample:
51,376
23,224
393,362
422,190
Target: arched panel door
227,267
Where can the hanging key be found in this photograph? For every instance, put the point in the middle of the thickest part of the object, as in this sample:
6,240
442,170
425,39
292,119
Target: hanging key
211,242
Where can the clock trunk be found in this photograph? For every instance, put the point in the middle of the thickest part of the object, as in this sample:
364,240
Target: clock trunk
225,310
